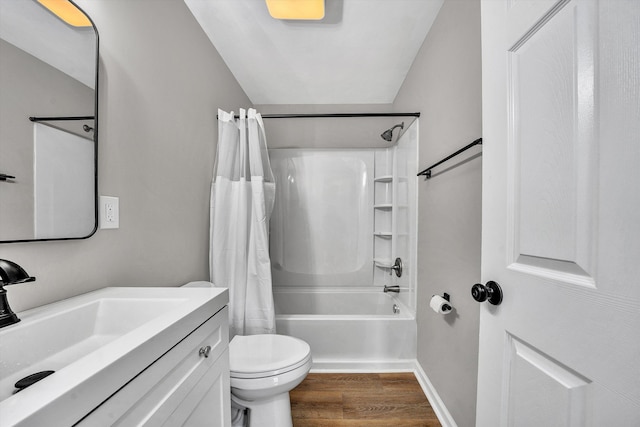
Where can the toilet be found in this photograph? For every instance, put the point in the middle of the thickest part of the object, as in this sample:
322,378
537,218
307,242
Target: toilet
263,370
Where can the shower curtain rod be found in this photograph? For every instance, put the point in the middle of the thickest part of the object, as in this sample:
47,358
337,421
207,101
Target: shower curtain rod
335,115
60,118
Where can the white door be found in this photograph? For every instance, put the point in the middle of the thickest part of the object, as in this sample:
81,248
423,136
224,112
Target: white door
561,213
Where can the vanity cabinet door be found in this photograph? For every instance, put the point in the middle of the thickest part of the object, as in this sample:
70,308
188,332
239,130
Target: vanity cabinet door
187,386
207,404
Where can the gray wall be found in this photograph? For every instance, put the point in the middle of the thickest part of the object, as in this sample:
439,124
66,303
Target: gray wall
444,83
161,83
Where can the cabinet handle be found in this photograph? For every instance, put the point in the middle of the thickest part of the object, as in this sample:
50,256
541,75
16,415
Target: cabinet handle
204,351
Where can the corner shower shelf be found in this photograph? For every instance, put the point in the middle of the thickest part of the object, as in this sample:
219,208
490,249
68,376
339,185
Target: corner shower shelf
385,178
383,206
382,262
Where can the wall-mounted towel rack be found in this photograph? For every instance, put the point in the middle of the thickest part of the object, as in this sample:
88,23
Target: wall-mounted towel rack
427,171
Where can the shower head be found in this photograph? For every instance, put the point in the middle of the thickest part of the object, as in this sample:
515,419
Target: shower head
387,135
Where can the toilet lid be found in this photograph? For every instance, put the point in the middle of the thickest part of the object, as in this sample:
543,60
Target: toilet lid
255,356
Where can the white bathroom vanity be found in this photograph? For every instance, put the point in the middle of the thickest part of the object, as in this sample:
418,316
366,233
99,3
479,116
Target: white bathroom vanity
120,356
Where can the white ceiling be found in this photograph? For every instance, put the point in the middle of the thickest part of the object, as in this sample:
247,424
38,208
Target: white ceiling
359,53
30,27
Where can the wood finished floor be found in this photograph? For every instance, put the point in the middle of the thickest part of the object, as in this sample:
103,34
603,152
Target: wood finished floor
337,400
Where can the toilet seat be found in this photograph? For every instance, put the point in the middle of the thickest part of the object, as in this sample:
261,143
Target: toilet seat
268,355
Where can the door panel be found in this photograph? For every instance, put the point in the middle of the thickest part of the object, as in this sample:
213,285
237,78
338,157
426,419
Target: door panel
551,138
541,391
560,213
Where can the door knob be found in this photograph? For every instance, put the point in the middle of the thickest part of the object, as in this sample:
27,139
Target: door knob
491,292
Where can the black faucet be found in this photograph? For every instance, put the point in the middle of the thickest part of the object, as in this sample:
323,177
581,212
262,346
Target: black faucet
10,274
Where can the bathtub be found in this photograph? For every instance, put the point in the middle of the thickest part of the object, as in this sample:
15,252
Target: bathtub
354,327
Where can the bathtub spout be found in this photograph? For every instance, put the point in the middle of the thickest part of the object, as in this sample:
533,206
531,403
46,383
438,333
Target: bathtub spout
395,289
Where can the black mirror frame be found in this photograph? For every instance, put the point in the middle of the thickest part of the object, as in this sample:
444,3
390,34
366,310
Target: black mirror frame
95,146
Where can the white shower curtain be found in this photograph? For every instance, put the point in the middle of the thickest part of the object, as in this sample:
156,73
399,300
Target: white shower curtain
242,196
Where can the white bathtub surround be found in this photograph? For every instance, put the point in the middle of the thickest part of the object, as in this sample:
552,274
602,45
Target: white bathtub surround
341,216
354,328
323,217
242,195
405,211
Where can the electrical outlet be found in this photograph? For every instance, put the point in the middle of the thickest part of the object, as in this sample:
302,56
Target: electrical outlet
109,212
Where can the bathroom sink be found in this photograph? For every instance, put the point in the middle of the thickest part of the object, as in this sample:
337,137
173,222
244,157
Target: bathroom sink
93,342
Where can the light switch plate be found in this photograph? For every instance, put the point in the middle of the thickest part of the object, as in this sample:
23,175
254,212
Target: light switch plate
109,212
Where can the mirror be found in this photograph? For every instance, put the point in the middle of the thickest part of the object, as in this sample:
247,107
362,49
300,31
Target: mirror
48,123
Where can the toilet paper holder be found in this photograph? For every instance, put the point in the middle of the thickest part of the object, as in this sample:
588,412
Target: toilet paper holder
446,307
448,298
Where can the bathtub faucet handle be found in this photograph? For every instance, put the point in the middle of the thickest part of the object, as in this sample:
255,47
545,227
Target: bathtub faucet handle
397,267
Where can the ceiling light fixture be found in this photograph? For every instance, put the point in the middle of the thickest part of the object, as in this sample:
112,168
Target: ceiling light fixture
296,9
67,11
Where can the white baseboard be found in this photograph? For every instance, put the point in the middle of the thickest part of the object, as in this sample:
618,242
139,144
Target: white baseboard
359,366
437,404
408,365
